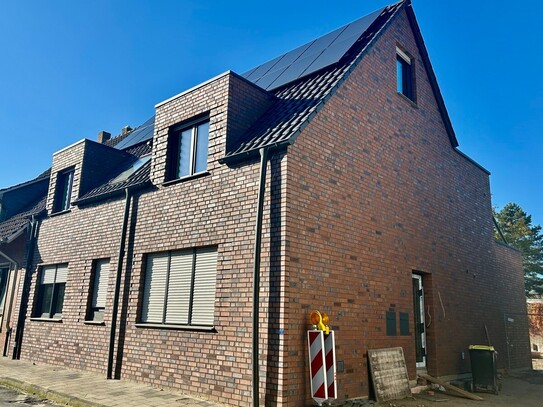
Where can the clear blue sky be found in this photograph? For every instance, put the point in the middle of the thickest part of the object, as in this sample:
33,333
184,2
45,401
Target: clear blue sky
69,69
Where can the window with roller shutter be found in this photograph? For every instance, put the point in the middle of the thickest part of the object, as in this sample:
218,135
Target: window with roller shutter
100,280
52,283
179,287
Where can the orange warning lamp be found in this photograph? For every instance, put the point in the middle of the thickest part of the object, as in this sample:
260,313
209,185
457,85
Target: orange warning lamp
320,321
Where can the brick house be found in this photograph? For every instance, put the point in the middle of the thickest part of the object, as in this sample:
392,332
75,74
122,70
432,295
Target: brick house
143,266
20,208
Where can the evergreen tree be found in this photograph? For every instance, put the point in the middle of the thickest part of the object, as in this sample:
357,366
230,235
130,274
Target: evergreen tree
516,226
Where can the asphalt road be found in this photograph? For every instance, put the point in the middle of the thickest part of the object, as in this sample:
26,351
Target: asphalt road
14,398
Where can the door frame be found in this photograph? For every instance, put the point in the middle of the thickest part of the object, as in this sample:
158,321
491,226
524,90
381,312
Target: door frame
419,279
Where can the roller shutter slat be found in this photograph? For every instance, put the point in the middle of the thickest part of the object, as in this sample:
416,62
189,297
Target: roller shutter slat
101,278
203,307
155,288
177,308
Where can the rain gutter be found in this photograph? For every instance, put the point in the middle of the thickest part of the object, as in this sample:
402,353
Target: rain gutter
120,261
256,272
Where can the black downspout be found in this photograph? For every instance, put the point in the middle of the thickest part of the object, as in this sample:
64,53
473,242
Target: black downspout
118,284
256,271
25,292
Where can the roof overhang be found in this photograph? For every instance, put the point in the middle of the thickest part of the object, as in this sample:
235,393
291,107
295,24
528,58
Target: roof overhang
15,235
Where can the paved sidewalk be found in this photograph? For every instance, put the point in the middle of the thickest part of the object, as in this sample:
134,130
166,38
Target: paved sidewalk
77,388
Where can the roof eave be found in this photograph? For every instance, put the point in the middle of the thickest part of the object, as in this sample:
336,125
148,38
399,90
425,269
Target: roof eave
15,235
431,74
252,154
471,160
110,194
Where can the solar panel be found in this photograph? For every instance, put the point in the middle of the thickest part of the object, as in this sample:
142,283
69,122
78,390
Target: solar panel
311,57
139,135
293,72
261,70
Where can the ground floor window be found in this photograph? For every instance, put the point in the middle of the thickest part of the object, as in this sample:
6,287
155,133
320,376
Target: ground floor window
100,281
179,287
50,291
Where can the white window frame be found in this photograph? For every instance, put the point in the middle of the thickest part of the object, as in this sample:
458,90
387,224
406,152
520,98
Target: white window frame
409,79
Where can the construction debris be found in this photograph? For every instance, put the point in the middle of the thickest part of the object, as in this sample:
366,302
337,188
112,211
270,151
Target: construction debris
453,389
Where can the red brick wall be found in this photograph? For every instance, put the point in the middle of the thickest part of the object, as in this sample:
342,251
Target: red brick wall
77,238
370,192
93,163
374,192
213,209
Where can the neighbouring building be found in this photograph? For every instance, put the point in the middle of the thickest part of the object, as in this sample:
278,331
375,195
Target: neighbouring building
21,206
143,263
535,315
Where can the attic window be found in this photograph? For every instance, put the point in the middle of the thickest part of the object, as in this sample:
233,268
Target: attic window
405,82
63,190
187,150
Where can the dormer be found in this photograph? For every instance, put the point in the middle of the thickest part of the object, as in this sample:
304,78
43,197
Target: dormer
79,168
194,129
22,197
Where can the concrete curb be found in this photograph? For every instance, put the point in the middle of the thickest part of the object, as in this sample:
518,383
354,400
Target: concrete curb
42,392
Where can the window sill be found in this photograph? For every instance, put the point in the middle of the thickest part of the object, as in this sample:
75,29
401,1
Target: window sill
177,327
186,178
411,102
59,213
39,319
99,323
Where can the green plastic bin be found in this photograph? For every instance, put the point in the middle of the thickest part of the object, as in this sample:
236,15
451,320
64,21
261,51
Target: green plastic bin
484,368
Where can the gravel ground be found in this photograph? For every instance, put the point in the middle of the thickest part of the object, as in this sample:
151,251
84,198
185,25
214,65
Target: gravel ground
524,389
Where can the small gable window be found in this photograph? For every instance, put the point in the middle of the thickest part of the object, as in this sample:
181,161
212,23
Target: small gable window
187,150
63,190
405,81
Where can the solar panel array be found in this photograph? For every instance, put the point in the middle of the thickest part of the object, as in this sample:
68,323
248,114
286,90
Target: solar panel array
138,135
311,57
302,61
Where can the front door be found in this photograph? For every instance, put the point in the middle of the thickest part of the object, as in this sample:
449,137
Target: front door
418,317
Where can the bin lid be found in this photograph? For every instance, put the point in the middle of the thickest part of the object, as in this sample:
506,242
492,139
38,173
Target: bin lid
481,347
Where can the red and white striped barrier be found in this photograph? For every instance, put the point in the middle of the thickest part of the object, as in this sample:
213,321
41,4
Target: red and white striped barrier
330,362
322,362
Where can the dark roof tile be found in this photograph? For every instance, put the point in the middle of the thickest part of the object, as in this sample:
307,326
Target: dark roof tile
299,100
139,178
13,225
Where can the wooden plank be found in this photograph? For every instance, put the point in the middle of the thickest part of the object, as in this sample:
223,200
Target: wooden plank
389,374
430,398
451,388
